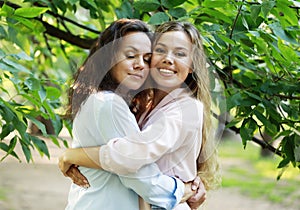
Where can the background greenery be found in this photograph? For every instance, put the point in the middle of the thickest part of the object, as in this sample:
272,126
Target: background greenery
253,47
254,176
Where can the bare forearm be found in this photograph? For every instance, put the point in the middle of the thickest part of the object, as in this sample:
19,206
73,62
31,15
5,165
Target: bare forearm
87,157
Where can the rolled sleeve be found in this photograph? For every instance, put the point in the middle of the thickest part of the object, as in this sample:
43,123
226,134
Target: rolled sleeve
154,187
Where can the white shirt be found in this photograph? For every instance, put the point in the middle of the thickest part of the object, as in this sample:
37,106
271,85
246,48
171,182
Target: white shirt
104,116
172,137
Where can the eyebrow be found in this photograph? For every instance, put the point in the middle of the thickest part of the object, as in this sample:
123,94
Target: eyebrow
177,48
135,49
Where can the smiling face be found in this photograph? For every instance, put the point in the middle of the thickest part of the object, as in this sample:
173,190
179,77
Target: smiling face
171,60
132,60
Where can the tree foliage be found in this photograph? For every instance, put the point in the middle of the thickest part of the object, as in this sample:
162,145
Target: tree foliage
252,45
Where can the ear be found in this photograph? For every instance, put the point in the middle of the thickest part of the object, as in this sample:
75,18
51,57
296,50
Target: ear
190,70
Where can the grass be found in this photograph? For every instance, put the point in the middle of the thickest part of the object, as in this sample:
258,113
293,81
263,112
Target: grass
255,176
2,195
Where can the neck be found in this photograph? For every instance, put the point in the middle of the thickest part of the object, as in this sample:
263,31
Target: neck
124,93
158,96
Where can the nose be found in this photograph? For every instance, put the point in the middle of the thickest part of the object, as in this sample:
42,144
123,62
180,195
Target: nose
168,59
139,63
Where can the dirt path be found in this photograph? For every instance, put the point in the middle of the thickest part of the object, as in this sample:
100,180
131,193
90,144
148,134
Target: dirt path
41,186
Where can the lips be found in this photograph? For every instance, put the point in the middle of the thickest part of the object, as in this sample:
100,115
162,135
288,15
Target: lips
166,72
139,76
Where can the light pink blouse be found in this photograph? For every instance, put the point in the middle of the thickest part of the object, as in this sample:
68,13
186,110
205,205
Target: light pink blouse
171,137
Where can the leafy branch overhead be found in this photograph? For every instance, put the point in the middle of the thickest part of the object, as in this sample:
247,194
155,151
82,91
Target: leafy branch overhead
252,47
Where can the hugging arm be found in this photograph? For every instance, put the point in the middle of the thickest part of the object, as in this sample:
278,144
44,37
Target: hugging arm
148,182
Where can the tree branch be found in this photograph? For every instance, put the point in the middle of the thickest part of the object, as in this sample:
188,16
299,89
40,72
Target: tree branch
68,37
262,143
76,40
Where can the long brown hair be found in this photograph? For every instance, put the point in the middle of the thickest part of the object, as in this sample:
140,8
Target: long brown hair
94,75
198,83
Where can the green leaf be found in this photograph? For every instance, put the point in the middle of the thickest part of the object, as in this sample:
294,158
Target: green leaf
52,93
54,140
6,10
13,67
6,130
125,11
213,4
61,5
254,96
19,39
158,18
288,53
283,163
266,7
244,21
255,10
279,32
21,128
234,122
288,145
40,145
172,3
286,13
6,113
146,5
30,12
177,12
39,124
33,83
73,1
26,152
57,124
268,125
9,149
245,135
217,15
42,94
234,100
226,39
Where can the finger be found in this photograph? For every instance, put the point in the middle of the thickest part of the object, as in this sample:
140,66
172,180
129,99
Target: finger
77,177
198,195
196,183
196,204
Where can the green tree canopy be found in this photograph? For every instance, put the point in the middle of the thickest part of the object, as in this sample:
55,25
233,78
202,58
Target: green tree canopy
252,45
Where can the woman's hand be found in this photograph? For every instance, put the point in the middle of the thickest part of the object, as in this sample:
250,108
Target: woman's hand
197,199
195,193
77,177
71,170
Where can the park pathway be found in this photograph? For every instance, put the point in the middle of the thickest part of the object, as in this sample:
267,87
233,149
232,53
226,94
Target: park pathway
40,185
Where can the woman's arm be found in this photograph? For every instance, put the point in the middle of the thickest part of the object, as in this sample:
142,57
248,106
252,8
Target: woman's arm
86,157
165,191
128,154
171,130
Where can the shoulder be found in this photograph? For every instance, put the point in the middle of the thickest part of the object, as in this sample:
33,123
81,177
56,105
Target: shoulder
105,98
189,102
192,109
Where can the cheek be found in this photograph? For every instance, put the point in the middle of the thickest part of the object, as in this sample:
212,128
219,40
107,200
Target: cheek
154,60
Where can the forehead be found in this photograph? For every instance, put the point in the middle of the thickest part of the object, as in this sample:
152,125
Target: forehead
175,38
137,41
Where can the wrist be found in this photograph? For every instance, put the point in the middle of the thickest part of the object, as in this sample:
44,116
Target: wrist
67,156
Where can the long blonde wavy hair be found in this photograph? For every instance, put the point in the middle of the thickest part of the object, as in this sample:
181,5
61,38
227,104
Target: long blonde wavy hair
199,85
